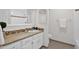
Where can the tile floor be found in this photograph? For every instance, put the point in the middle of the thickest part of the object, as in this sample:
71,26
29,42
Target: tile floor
58,45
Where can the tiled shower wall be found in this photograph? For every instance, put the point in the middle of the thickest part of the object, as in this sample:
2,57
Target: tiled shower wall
58,34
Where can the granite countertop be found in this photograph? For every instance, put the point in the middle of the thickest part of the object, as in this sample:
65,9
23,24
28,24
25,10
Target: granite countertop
19,36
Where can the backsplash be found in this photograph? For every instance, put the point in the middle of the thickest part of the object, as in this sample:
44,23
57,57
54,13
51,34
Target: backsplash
14,32
20,31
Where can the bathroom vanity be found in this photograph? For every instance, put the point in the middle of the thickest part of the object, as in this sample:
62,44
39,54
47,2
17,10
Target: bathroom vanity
32,39
18,35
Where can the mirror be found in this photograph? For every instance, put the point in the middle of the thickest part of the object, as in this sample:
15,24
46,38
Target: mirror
15,16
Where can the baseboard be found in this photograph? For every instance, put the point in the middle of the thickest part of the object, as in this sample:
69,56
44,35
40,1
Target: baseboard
50,37
63,42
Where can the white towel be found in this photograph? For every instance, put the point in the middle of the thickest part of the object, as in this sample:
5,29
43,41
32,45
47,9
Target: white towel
62,23
1,36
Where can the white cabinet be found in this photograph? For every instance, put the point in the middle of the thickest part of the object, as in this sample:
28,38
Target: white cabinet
33,42
27,43
37,41
16,45
46,39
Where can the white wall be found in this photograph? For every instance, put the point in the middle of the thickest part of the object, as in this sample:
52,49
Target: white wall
4,15
34,16
38,19
65,35
14,23
76,28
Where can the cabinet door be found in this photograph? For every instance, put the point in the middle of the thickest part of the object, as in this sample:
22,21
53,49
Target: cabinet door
37,41
27,43
46,39
16,45
35,44
11,46
40,40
